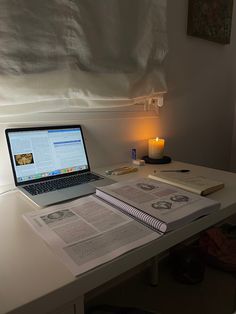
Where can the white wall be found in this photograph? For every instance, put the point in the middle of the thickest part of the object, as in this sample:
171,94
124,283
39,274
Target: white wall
196,121
233,151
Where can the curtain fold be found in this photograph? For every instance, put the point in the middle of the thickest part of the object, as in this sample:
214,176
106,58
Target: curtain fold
101,53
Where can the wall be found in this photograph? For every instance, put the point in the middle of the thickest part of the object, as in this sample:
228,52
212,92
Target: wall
233,151
197,119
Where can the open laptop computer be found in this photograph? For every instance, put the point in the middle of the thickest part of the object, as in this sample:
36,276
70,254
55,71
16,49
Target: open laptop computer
50,164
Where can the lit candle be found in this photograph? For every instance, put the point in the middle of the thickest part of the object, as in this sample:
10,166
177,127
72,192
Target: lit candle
156,148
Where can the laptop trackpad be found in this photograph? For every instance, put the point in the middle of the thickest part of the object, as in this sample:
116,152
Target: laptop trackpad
78,190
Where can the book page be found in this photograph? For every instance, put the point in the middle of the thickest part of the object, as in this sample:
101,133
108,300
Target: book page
87,232
167,203
188,181
153,196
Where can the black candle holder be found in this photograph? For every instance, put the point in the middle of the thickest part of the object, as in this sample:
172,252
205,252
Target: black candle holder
163,160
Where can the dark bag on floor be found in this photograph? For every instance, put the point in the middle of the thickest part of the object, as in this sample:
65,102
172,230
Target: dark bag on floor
219,249
188,264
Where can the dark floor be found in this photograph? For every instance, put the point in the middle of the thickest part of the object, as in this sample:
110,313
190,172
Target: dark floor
214,295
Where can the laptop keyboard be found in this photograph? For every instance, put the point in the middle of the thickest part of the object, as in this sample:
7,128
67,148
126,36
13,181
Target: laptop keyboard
61,183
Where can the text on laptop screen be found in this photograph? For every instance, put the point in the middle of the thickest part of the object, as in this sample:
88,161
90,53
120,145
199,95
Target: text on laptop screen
45,153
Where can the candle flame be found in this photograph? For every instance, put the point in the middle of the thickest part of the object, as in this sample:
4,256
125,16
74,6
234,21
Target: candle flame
157,139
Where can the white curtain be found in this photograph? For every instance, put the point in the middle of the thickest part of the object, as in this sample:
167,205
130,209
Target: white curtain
88,53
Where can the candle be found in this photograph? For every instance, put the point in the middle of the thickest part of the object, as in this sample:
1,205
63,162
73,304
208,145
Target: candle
156,148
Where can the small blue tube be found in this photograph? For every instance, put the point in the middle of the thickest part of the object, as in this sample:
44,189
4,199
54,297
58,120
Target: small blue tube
133,154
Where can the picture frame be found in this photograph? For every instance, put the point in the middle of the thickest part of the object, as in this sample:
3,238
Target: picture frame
210,20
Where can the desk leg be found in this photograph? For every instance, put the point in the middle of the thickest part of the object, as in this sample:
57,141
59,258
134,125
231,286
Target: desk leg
79,305
154,273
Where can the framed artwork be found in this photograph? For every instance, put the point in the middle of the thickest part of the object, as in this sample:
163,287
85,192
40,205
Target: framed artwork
210,19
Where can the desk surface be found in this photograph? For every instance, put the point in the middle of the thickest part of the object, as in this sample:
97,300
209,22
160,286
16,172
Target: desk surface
32,278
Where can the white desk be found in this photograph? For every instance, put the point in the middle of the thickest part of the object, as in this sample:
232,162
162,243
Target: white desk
32,278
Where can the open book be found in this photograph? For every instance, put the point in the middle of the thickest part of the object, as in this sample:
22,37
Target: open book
158,205
189,182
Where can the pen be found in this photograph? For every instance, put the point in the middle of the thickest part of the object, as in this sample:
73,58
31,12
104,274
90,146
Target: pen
179,170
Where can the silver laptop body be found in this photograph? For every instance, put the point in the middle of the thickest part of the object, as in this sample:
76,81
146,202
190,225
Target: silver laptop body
50,156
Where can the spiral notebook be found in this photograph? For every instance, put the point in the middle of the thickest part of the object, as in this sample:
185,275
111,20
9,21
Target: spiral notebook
158,205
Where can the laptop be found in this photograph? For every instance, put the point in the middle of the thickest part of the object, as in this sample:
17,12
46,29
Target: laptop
50,164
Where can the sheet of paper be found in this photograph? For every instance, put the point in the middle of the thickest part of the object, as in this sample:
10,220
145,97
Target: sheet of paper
87,232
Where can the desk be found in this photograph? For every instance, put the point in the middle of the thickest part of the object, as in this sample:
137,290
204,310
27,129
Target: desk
34,281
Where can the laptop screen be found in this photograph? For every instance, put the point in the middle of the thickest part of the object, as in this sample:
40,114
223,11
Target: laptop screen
38,154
